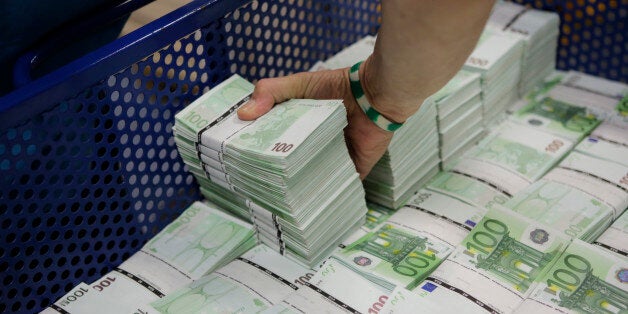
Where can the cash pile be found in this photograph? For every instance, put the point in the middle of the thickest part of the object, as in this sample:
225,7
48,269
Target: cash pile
495,265
556,117
605,180
606,99
585,279
539,31
473,191
565,208
614,238
333,289
199,241
512,157
406,248
497,58
253,282
608,142
410,161
459,108
279,164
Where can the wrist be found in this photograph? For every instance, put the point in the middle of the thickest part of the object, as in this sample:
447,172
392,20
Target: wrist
389,99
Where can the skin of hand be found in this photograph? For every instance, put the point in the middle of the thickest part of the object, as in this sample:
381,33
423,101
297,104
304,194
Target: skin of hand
405,68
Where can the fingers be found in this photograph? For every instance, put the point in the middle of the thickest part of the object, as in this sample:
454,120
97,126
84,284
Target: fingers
269,92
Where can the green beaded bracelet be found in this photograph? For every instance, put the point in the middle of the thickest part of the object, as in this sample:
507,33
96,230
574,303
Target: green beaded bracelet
360,98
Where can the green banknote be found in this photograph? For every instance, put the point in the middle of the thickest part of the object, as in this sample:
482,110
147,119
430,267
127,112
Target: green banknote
513,156
200,240
253,282
557,117
614,238
576,213
404,250
471,190
198,115
585,279
499,260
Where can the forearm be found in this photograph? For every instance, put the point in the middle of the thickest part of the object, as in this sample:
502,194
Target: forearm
421,44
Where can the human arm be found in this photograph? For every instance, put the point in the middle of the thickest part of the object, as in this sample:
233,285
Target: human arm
420,46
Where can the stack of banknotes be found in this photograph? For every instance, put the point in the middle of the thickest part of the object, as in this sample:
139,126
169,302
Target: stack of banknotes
411,160
527,216
497,58
513,156
604,98
270,163
201,240
539,31
409,163
459,108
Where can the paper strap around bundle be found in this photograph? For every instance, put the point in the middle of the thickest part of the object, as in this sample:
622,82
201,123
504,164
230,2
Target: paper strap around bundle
266,225
219,178
200,147
277,245
514,18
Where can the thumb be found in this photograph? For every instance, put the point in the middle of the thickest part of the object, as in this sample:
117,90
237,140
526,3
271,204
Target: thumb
269,92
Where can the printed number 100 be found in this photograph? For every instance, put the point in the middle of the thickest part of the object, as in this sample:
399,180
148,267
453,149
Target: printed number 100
282,147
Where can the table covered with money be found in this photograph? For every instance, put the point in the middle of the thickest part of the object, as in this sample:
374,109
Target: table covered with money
505,193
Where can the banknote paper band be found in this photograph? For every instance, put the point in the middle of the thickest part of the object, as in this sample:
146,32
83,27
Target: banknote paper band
360,98
329,297
269,272
141,282
222,117
610,248
220,176
469,297
59,309
449,220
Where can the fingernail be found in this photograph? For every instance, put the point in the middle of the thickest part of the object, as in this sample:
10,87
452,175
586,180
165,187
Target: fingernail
248,106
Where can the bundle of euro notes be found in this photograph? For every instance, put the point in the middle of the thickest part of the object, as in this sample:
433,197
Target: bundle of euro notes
497,58
408,163
539,31
459,108
279,165
512,157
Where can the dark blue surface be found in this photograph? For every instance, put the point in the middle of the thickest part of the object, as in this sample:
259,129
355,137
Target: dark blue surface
88,167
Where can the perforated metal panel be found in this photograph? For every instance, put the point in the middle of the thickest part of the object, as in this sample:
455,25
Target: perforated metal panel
87,182
593,36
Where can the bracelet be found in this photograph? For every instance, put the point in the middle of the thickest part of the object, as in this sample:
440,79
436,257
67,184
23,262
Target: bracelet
360,98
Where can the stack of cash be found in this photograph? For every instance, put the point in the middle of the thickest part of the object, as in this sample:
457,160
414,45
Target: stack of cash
609,142
199,241
494,267
606,99
574,212
585,279
512,157
603,181
459,108
253,282
279,164
333,289
473,191
556,117
410,161
614,238
406,248
497,57
539,31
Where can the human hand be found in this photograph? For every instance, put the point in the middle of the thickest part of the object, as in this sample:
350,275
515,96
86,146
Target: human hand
365,140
